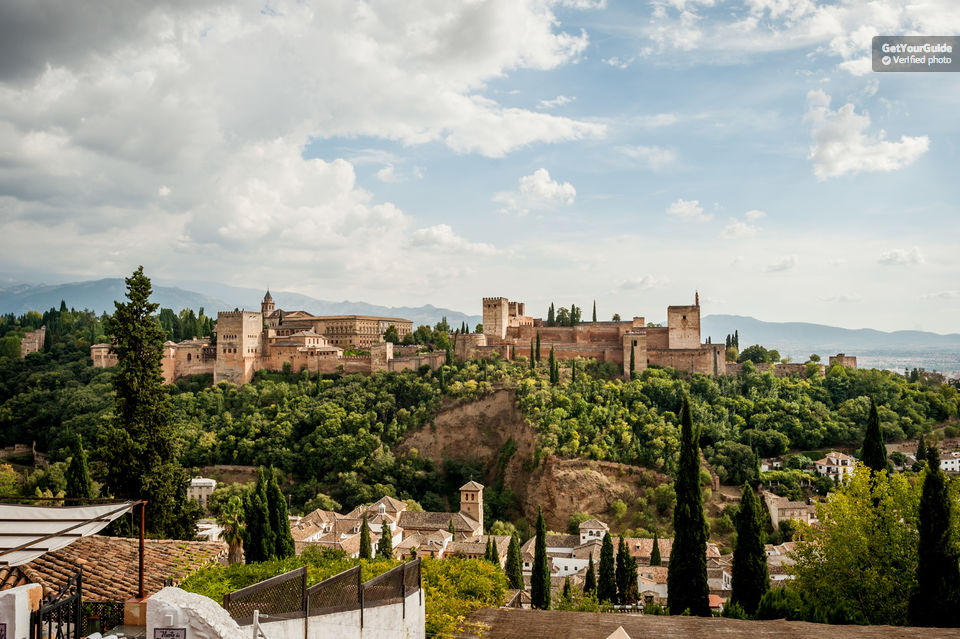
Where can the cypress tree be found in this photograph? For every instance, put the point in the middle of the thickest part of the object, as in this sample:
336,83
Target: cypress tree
366,551
513,353
452,529
623,558
533,357
514,567
633,588
921,450
590,580
139,446
594,311
551,315
258,538
385,545
607,583
540,578
874,453
566,594
936,600
750,577
538,347
79,484
283,546
573,370
687,587
633,360
655,553
554,369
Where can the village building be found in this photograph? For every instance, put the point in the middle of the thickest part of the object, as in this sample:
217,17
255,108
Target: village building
200,489
782,509
32,342
836,465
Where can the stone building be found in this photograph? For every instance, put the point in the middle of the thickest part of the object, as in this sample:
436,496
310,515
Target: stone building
509,332
32,342
844,360
272,339
200,489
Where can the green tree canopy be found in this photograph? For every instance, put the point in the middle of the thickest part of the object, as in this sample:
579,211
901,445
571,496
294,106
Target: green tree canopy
79,484
750,576
366,549
874,453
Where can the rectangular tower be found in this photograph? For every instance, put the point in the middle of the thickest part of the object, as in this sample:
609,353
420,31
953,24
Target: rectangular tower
239,346
683,323
496,316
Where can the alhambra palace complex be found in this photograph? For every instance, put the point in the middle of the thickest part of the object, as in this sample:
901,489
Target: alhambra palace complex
247,341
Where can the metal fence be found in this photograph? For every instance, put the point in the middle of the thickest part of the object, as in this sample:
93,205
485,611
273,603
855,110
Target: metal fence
97,616
281,597
287,597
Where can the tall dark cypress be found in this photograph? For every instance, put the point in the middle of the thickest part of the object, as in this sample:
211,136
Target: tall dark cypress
750,576
874,453
366,549
623,556
79,484
594,310
540,577
921,450
533,356
258,538
551,315
385,544
554,369
514,566
633,360
632,594
936,600
538,347
607,583
655,553
590,580
687,587
279,522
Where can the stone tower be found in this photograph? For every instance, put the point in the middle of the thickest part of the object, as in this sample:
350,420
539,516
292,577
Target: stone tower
471,501
239,346
496,316
266,306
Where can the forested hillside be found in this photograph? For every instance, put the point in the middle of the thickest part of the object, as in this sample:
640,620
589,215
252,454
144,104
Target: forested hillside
335,437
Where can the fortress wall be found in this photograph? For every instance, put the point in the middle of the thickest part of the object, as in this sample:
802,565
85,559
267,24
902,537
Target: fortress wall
658,337
683,322
707,361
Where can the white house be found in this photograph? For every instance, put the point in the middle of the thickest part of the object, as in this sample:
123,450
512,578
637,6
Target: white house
836,465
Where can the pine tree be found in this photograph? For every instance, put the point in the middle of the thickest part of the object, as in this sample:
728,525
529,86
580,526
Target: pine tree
538,347
687,587
623,556
750,577
385,545
567,593
874,453
79,484
594,311
590,580
936,600
283,546
540,577
655,553
139,446
514,567
452,529
607,583
366,550
258,538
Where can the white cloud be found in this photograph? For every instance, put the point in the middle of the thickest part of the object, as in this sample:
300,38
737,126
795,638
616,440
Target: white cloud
738,229
583,4
844,298
163,191
942,295
537,192
754,215
618,62
658,120
388,174
902,257
560,100
644,283
443,238
688,210
842,30
787,263
840,145
653,157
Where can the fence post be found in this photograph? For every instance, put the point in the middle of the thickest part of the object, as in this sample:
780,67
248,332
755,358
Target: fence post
306,604
78,614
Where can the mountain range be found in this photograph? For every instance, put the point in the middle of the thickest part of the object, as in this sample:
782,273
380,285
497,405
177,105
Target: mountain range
895,350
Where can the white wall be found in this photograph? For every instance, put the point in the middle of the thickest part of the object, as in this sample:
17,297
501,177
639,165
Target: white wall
15,606
380,622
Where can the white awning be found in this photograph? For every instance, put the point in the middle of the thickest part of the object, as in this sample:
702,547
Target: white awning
27,532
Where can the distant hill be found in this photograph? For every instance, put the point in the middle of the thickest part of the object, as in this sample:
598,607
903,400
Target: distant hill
894,350
99,296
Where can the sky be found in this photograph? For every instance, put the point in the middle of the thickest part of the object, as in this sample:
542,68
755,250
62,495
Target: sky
437,152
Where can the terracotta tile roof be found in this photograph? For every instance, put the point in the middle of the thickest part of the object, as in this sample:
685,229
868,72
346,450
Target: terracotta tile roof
594,524
472,485
110,565
437,521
